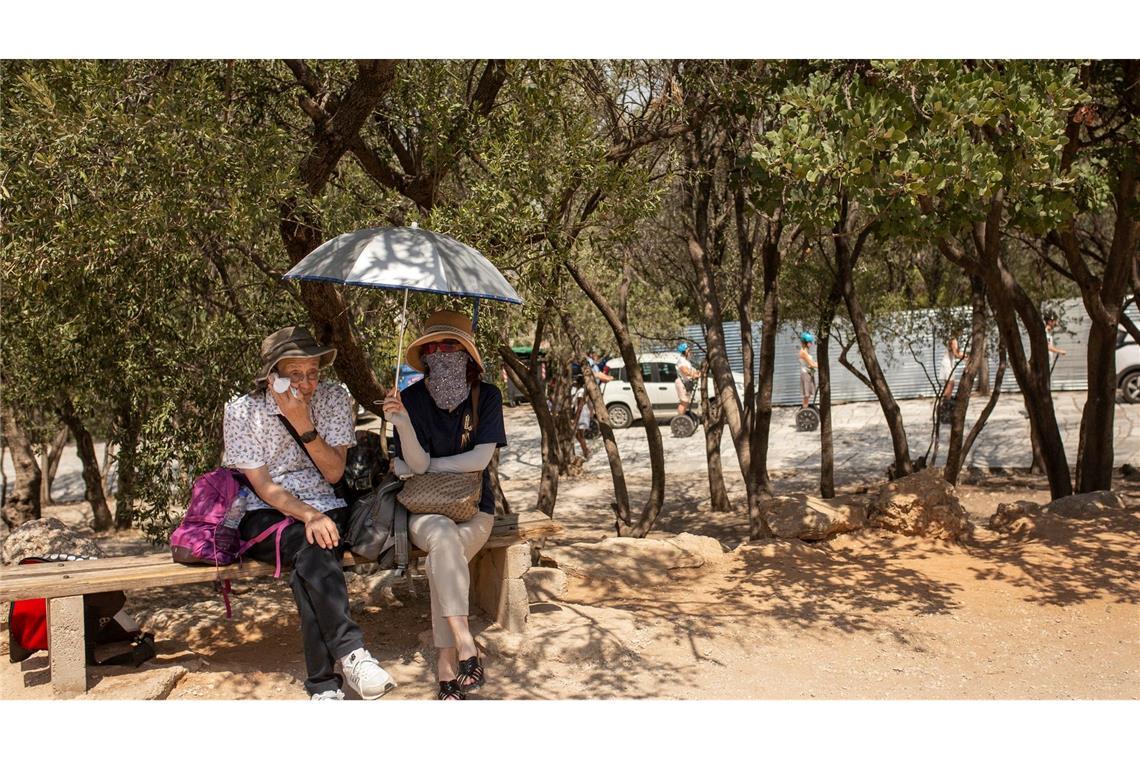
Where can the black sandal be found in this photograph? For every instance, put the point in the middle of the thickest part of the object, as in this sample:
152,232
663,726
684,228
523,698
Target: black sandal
450,690
471,675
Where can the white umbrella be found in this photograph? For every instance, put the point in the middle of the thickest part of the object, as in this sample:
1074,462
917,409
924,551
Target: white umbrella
406,258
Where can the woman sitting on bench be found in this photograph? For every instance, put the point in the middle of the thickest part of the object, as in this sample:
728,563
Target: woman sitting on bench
437,430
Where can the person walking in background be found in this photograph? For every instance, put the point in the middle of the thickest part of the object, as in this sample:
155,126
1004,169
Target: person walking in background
807,368
596,366
583,414
1050,325
950,358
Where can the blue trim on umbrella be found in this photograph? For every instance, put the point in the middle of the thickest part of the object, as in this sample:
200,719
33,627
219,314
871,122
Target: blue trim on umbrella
461,294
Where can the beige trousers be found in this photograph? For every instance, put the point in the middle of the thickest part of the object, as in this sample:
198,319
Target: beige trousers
450,547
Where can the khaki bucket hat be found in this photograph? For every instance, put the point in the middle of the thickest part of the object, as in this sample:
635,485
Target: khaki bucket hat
290,343
442,325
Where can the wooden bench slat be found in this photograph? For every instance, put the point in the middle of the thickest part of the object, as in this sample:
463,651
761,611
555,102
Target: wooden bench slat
131,573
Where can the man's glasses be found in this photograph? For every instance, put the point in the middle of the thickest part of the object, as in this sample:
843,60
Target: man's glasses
299,377
449,347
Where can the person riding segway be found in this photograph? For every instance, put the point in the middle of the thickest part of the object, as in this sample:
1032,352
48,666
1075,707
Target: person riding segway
686,422
807,418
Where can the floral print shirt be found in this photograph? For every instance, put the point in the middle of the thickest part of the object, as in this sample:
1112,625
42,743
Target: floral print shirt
255,437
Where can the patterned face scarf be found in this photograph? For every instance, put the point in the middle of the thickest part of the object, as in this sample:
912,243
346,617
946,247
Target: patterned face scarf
447,378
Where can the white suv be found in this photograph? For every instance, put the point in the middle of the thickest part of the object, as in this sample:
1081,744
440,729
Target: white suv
660,373
1128,367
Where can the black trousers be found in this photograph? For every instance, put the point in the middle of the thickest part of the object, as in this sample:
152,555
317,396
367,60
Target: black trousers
317,580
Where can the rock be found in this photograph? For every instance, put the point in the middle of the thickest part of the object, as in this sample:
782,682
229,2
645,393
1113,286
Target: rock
1084,506
545,584
632,561
922,504
38,538
705,547
148,683
812,518
1022,516
1010,518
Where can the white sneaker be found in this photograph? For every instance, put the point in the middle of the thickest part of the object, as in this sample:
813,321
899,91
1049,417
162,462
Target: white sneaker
331,694
364,675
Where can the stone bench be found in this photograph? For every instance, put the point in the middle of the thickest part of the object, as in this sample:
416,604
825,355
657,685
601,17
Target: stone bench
496,586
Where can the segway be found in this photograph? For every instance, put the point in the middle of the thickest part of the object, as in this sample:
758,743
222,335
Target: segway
684,425
807,420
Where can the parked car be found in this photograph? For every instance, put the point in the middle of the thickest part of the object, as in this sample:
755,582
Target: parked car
1128,367
659,371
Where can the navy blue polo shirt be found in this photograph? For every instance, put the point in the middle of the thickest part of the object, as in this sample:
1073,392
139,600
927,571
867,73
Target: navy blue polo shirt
439,431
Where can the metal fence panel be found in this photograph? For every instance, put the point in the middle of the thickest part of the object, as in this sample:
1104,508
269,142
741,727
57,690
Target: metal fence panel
909,347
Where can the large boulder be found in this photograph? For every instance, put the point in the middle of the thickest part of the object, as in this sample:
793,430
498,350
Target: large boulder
632,561
1021,516
38,538
812,518
1084,506
922,504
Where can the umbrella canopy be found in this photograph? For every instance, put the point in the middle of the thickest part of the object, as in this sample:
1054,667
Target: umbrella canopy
405,258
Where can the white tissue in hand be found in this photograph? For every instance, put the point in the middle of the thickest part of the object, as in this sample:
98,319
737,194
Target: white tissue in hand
281,384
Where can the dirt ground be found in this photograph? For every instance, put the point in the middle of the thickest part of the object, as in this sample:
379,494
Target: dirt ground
868,615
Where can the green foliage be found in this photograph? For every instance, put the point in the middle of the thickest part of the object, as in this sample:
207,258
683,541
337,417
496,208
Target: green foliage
141,249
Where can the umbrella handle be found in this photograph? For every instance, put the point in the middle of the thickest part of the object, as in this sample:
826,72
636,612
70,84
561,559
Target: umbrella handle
400,350
475,317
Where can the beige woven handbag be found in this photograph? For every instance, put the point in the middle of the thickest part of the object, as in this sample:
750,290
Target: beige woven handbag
452,494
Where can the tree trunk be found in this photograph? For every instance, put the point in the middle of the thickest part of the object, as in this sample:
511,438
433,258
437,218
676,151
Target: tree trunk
1104,299
727,400
23,504
130,430
548,482
714,431
52,454
1008,303
954,452
1096,452
502,506
628,353
92,481
621,506
823,359
845,260
762,421
983,384
108,459
980,423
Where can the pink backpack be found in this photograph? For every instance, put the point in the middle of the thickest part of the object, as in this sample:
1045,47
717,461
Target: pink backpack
208,533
